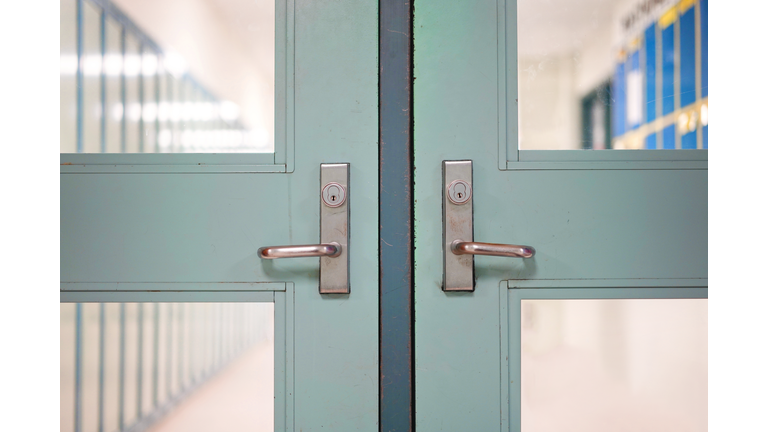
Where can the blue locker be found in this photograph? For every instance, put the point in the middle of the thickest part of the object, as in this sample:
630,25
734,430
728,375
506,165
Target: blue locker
619,106
650,142
687,58
668,70
688,141
650,75
704,48
634,67
668,137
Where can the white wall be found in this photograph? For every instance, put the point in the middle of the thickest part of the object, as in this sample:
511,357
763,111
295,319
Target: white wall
549,111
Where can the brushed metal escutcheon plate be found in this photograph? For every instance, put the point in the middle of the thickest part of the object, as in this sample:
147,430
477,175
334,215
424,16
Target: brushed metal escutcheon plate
334,228
459,247
458,270
332,250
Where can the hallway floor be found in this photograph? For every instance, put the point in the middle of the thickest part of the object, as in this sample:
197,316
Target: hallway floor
239,398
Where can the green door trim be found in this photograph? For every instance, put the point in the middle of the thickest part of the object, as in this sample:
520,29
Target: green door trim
604,283
395,206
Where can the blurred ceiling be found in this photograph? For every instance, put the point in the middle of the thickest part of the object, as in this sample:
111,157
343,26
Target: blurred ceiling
553,27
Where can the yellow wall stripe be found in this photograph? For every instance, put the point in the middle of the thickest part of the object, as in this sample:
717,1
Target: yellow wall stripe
684,5
668,18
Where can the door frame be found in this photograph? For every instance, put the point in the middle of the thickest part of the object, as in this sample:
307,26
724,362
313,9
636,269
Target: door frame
396,257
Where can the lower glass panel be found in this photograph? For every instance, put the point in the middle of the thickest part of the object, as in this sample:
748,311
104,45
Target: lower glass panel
167,366
614,365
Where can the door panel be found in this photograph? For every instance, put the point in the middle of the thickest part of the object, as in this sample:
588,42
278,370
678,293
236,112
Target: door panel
596,219
189,226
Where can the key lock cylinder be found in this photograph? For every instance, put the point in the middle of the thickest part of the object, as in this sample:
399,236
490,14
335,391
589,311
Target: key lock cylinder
334,194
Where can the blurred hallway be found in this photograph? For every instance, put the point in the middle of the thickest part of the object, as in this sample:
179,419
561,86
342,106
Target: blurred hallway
167,366
238,398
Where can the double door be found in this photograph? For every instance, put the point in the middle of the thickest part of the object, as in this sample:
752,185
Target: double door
568,226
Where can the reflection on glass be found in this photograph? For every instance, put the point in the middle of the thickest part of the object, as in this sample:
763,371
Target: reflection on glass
167,76
167,366
612,74
614,365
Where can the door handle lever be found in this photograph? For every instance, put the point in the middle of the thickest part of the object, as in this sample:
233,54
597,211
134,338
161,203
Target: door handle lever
331,250
459,247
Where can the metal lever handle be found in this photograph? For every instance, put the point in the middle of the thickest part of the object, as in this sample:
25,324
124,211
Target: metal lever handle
331,250
459,247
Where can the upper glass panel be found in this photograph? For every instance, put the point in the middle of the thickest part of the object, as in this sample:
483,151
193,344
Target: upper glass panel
167,76
612,74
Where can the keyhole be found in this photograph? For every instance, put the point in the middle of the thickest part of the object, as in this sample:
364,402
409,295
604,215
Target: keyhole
459,192
333,195
460,189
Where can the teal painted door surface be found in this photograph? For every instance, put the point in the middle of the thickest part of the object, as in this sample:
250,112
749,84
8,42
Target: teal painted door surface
165,227
605,224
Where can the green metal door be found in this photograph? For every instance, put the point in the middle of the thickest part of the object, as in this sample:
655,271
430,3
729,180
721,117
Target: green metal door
607,226
186,227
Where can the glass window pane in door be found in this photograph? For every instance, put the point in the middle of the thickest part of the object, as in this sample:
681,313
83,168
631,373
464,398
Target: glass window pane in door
167,366
611,74
614,365
224,49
